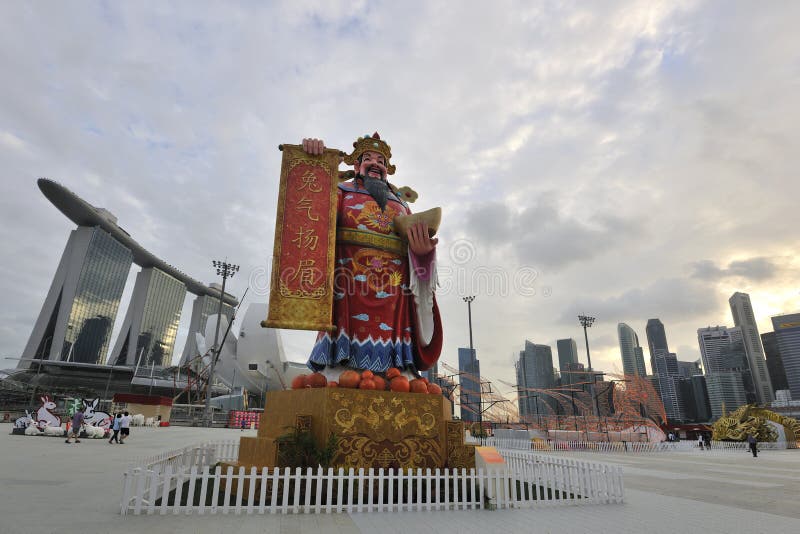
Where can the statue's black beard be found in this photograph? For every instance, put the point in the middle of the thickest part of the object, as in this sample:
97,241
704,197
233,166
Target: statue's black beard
377,188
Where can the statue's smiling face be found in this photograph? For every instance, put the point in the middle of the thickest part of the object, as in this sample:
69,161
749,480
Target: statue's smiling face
373,165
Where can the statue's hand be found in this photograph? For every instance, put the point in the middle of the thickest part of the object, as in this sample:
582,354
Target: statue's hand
313,146
419,241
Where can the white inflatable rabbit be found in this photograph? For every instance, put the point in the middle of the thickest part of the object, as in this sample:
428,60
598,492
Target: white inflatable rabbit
94,431
52,430
25,421
94,417
44,416
32,429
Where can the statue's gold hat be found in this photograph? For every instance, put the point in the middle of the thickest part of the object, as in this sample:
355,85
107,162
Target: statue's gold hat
370,143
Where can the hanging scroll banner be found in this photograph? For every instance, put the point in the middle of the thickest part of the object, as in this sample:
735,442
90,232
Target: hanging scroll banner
301,290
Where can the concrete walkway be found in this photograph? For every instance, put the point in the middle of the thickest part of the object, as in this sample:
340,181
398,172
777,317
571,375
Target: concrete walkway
48,486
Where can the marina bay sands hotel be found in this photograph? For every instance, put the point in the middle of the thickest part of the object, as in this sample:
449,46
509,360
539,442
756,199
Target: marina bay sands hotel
77,318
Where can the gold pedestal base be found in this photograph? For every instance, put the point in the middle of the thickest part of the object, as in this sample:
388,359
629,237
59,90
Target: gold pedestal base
373,429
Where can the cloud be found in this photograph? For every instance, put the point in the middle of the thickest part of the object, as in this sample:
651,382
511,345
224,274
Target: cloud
670,299
542,235
754,269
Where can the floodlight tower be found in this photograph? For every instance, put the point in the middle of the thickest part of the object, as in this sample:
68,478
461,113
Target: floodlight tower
469,301
225,270
586,322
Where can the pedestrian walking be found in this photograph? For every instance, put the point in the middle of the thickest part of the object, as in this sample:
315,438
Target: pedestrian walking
77,424
753,444
115,426
124,427
707,439
700,441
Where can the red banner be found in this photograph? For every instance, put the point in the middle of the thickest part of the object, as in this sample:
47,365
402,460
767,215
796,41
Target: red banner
301,295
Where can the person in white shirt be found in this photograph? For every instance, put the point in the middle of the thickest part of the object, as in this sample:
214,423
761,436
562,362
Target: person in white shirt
124,427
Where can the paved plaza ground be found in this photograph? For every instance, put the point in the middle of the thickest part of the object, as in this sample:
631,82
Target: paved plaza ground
48,486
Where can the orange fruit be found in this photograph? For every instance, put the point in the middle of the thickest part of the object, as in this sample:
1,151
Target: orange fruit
380,383
316,380
333,384
349,379
418,386
299,382
367,383
367,374
400,384
434,389
392,372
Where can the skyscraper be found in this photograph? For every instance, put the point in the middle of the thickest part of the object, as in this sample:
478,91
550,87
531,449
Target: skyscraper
78,313
743,318
632,359
567,360
689,369
727,373
656,336
470,385
148,332
534,371
665,370
787,332
658,347
777,374
694,399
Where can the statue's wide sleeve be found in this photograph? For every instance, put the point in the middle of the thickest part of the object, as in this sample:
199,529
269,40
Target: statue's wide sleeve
428,322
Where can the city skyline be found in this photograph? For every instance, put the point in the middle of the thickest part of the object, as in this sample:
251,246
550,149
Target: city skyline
607,132
142,300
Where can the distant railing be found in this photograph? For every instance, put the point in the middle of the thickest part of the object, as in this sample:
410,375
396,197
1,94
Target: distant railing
630,447
191,480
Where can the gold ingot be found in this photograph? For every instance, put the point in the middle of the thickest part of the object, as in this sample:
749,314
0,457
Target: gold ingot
433,218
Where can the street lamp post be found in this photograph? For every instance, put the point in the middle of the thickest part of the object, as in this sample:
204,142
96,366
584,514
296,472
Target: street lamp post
226,270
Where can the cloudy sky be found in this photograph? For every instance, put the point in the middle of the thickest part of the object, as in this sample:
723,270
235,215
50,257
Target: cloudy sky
625,160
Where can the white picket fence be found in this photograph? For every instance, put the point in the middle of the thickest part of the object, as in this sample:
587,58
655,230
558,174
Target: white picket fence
630,447
184,481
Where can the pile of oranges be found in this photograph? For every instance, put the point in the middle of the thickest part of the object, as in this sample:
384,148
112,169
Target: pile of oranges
392,380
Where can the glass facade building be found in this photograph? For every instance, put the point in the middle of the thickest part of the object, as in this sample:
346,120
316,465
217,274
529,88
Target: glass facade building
728,378
567,360
631,351
148,332
160,318
470,385
87,296
535,371
744,319
787,332
94,308
656,336
777,374
664,366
